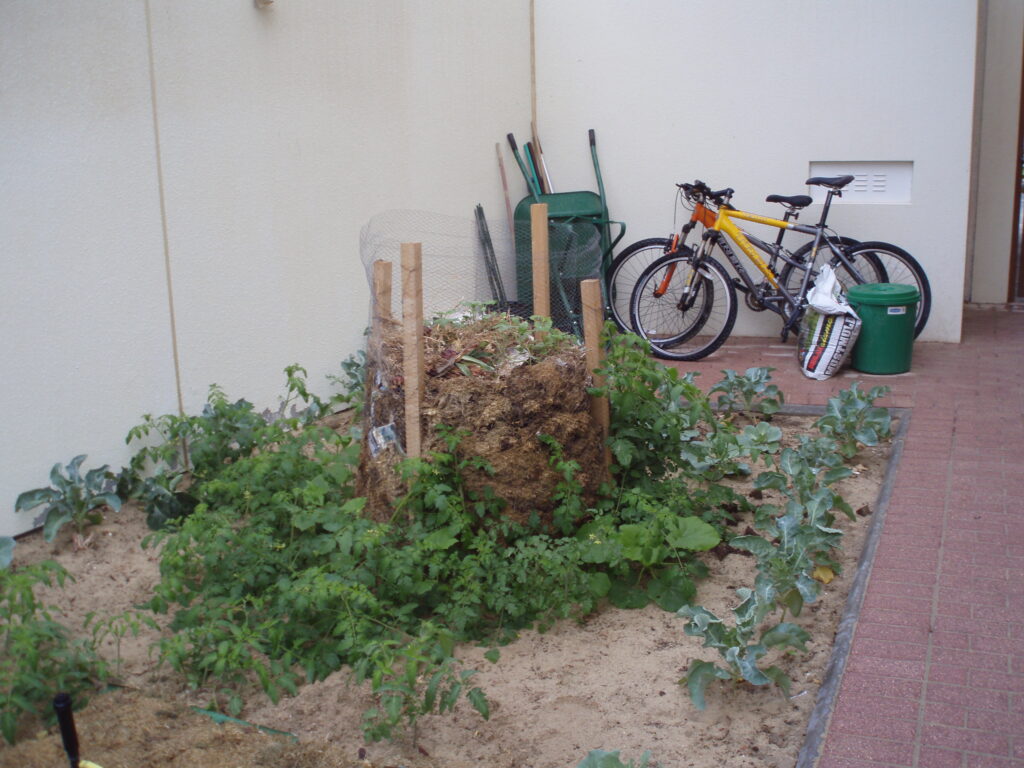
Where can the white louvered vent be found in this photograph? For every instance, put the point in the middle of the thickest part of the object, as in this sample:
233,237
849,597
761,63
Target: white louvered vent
873,182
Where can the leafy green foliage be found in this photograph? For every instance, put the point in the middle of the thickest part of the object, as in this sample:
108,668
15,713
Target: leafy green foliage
71,498
202,444
40,655
740,654
655,412
352,381
273,573
852,419
280,534
749,392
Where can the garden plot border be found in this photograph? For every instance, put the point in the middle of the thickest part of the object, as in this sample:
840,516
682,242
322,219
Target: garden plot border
821,715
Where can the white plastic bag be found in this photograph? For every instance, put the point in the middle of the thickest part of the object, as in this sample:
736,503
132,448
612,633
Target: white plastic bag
829,329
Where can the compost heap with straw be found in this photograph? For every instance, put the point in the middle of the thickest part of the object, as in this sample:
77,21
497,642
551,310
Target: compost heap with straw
504,385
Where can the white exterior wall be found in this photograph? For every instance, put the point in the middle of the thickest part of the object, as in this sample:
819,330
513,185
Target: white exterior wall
282,131
747,94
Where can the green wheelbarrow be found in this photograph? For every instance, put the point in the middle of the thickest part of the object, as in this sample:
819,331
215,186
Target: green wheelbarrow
580,238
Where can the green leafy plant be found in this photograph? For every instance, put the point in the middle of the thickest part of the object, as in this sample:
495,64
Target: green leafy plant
786,564
648,560
352,381
72,498
852,419
655,412
202,444
748,392
117,628
741,656
166,498
280,533
40,655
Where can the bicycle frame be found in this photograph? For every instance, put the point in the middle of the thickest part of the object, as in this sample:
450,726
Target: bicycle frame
725,224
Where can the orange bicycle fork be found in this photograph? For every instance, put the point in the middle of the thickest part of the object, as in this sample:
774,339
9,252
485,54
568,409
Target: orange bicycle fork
701,215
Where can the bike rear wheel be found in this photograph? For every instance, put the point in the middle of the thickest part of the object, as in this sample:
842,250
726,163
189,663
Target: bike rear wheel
624,271
866,268
898,266
684,311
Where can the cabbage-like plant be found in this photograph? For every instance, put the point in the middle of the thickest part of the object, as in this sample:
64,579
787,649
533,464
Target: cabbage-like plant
72,498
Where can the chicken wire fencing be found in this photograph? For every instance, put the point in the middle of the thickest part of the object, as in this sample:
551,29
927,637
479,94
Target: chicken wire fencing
477,260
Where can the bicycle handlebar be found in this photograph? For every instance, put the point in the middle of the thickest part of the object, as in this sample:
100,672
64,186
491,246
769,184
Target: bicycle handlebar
700,192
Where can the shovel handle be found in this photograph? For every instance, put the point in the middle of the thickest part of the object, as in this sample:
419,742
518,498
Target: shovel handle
66,721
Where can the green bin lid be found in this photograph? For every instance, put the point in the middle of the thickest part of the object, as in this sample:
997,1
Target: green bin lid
883,294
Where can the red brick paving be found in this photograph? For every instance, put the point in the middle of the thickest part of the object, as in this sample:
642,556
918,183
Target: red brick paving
935,677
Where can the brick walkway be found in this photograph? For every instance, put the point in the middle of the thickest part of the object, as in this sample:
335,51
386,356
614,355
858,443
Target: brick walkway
935,675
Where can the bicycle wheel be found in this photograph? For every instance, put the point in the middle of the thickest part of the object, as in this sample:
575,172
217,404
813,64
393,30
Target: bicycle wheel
866,266
622,275
898,266
684,316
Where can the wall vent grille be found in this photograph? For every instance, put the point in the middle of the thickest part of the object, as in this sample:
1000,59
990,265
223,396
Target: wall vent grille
873,182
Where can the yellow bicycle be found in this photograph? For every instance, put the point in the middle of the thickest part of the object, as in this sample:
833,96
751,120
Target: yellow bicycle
685,302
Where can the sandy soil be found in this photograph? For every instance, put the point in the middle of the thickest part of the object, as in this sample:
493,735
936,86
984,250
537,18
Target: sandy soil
610,682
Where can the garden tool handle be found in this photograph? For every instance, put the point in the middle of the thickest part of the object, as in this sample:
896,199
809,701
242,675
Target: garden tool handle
66,721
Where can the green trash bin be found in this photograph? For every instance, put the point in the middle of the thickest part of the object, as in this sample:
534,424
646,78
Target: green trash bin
887,312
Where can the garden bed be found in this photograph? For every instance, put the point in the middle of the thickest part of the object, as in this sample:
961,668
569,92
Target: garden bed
608,682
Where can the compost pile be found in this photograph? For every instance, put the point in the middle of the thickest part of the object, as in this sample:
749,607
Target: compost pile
503,386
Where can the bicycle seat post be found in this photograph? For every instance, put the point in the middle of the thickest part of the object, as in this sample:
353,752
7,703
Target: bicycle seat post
828,204
789,215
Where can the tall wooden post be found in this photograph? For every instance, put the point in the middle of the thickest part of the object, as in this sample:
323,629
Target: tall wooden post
593,321
541,259
412,344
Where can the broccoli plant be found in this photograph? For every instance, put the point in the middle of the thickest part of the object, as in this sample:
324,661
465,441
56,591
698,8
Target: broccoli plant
852,419
72,498
741,656
749,392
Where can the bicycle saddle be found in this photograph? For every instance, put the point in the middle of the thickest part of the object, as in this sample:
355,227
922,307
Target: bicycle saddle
833,182
795,202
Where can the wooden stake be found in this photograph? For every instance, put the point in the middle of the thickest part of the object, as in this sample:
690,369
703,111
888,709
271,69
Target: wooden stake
381,293
508,201
541,259
412,344
593,320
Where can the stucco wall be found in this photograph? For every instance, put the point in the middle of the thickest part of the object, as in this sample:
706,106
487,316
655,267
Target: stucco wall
748,94
281,132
